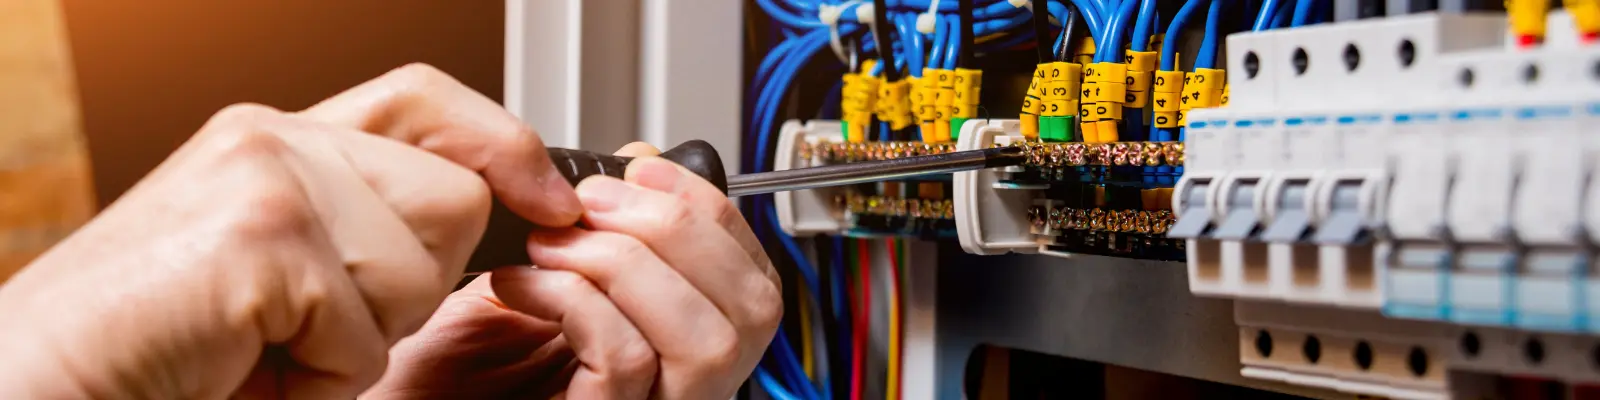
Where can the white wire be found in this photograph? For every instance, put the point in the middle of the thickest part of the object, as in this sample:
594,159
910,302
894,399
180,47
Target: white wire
820,335
829,15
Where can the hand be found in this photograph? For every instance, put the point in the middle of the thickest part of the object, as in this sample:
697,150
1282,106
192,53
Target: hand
668,295
277,254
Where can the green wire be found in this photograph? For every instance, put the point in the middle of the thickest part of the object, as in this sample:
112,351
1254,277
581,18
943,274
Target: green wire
900,254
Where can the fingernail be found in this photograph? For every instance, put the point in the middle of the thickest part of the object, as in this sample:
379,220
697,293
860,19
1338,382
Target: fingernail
658,174
603,194
562,202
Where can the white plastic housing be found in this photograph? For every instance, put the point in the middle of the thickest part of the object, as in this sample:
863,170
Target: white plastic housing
805,213
989,219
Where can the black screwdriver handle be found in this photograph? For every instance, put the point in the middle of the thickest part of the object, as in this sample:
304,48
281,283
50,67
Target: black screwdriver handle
695,155
505,241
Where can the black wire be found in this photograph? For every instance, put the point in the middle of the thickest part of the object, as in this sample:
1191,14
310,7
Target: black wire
1041,30
880,33
967,50
1069,34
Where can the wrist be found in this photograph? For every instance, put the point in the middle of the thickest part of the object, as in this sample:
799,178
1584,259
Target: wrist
32,368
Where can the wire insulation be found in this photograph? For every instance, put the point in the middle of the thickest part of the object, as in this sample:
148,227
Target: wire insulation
863,318
1207,57
895,330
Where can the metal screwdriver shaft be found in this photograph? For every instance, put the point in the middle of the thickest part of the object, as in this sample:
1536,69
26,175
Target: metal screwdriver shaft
872,171
699,157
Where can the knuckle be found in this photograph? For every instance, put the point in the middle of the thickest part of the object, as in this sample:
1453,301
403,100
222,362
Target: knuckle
460,195
243,131
765,308
634,359
276,211
565,281
421,75
719,355
629,248
243,113
668,218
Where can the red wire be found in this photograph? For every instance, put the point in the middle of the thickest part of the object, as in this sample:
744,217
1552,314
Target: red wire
858,351
894,290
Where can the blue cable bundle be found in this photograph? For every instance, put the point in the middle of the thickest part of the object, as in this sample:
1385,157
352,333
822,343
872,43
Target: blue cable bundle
804,34
1208,46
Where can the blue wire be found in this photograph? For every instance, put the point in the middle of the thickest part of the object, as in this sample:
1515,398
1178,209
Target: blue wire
1208,46
952,39
1007,42
781,77
794,372
990,11
1119,31
985,28
936,56
803,6
1269,8
1057,45
993,10
911,41
1169,46
772,386
790,373
1144,25
807,272
784,17
1282,15
771,60
765,111
1102,42
766,106
1090,9
1302,12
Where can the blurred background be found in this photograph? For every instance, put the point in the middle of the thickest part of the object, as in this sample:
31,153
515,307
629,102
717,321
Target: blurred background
150,72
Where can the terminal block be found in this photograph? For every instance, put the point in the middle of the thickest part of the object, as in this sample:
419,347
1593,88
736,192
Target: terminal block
918,207
1068,198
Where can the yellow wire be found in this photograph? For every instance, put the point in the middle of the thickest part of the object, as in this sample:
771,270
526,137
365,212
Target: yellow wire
805,335
893,392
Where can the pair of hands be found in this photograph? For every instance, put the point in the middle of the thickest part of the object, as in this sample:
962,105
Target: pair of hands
283,254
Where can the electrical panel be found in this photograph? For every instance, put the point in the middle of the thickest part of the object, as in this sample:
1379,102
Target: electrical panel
1397,205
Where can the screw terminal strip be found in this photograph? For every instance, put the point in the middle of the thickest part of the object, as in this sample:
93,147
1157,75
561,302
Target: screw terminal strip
1077,154
897,206
1047,220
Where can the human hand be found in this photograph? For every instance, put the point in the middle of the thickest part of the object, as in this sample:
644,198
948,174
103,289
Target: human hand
277,254
668,295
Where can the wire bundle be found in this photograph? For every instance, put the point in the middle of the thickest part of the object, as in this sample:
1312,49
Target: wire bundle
807,28
918,45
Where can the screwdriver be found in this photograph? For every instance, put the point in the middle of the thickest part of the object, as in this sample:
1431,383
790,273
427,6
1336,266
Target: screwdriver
701,158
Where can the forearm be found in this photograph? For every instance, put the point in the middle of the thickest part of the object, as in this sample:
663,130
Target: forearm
123,342
32,366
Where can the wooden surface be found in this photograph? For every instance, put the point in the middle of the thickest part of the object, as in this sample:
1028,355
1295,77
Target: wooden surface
45,190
